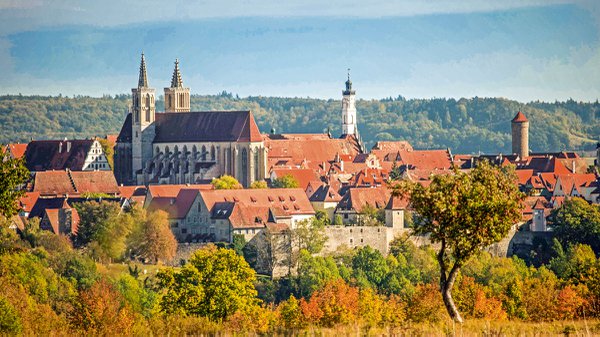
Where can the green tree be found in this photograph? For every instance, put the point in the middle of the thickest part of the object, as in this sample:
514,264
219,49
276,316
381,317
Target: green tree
216,282
370,263
464,213
309,234
103,228
259,184
226,182
287,181
13,174
238,244
108,150
10,322
577,222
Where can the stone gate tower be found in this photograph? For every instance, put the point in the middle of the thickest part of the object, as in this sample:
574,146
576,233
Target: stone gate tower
520,135
348,109
177,98
142,123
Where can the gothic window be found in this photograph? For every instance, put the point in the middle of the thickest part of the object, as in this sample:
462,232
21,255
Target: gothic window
244,167
194,150
176,150
166,150
136,116
256,165
185,151
212,153
203,153
169,101
228,160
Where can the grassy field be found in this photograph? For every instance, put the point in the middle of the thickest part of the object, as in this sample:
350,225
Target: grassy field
113,270
468,329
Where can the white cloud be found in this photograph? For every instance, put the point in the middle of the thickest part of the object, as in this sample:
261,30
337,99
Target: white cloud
26,15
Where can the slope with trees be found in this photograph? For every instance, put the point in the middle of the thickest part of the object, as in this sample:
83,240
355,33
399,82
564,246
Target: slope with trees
464,125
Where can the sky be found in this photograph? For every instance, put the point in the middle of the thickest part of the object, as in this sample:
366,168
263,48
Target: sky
524,50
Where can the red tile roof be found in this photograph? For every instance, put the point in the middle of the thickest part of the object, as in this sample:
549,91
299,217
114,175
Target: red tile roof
357,198
74,182
28,201
302,176
95,182
251,207
426,159
294,150
520,117
177,207
16,150
171,191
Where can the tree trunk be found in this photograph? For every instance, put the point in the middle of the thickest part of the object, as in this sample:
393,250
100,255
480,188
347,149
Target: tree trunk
446,283
449,303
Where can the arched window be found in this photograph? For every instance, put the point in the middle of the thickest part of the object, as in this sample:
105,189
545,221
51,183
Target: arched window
194,151
176,150
185,150
166,150
169,101
244,167
212,153
157,150
203,153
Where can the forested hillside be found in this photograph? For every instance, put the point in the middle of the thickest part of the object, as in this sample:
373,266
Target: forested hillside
465,125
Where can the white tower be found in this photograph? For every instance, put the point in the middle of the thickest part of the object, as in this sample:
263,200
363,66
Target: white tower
142,120
348,109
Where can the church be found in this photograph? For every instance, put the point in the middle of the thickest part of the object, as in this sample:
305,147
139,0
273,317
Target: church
180,146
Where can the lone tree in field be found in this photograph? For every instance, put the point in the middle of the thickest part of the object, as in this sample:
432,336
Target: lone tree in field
463,213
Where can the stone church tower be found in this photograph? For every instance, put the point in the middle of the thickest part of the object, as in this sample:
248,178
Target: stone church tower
142,124
348,109
177,98
520,135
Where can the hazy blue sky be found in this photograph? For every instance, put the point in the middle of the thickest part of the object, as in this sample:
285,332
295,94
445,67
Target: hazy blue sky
524,50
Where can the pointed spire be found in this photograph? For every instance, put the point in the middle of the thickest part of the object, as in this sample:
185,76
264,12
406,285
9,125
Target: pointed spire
176,81
143,81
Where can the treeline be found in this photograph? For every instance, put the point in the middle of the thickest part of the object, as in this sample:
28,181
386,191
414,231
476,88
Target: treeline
50,288
464,125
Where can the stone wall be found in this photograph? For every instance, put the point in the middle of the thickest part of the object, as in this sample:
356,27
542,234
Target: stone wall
184,251
377,237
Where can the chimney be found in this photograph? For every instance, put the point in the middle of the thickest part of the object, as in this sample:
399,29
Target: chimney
68,146
60,147
342,165
573,167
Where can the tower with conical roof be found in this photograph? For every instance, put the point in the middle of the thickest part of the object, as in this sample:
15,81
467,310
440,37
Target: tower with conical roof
177,98
143,111
348,109
520,135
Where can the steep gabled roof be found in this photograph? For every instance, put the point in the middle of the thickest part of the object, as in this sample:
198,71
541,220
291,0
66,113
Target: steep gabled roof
43,155
16,150
206,126
125,134
325,193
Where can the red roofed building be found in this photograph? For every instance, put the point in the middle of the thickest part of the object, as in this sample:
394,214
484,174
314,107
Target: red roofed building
359,205
16,150
64,220
61,183
75,155
302,176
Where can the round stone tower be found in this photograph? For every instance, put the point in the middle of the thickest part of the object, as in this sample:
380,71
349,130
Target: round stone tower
520,135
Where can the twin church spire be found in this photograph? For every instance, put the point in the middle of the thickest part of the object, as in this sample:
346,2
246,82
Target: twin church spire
177,98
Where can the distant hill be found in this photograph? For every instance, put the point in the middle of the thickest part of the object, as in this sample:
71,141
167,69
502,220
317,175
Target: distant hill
464,125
